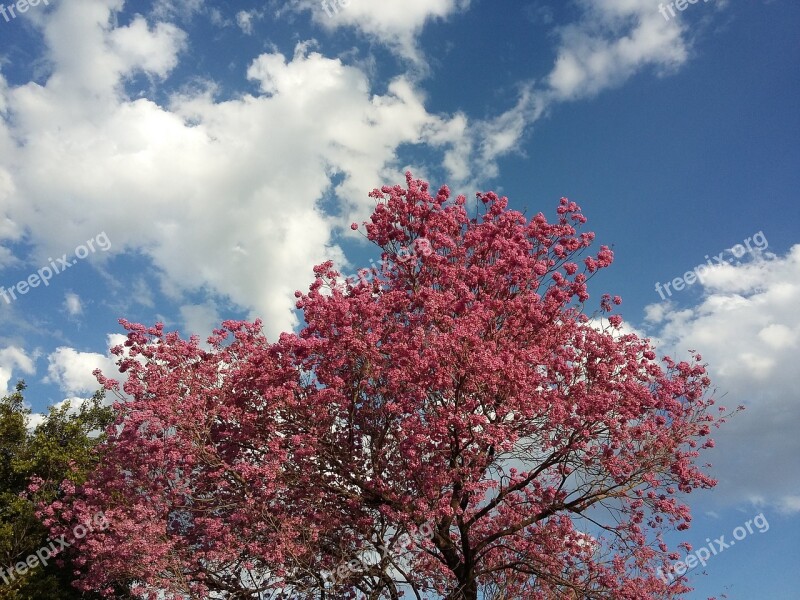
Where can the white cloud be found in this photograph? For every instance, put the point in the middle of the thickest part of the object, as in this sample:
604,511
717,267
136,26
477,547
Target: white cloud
34,420
172,8
779,337
614,40
225,197
71,370
115,339
91,56
200,319
215,191
790,505
8,229
244,19
75,403
72,304
394,24
13,358
747,328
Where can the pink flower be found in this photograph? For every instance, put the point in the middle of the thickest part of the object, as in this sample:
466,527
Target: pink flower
400,404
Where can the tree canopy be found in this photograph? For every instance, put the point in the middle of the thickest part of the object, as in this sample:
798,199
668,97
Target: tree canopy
34,461
450,424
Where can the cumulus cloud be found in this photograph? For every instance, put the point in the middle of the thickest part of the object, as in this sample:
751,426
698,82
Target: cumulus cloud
71,370
13,358
222,196
231,197
748,330
393,24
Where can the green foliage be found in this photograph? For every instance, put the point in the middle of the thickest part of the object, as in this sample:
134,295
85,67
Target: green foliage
58,448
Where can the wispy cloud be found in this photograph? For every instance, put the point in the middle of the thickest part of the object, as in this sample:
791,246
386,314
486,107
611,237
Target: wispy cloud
72,304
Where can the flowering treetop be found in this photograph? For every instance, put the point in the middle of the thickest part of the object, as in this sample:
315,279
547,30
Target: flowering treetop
462,385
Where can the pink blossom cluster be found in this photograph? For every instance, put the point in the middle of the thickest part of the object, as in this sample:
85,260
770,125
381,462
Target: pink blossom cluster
464,387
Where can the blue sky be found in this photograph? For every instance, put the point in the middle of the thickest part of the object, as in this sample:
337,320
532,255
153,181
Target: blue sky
213,152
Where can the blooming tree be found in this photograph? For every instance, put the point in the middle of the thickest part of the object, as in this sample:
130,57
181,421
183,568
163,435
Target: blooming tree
460,390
